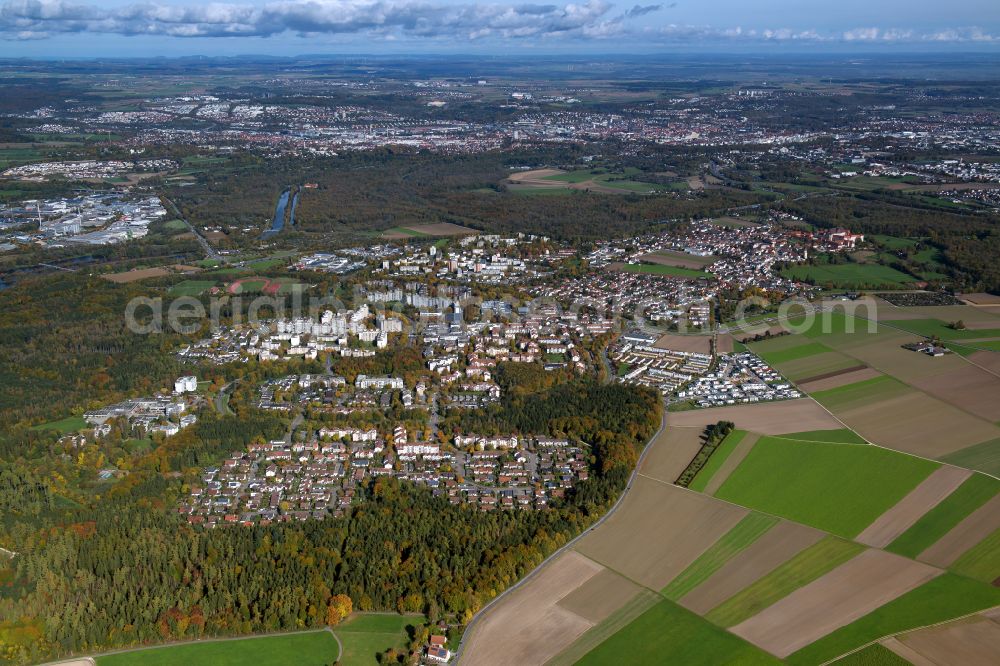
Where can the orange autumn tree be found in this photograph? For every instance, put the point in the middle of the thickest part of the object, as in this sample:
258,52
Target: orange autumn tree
340,606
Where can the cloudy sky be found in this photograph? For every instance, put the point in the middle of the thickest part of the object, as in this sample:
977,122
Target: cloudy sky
67,28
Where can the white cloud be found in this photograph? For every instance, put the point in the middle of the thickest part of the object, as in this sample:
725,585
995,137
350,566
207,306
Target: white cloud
416,19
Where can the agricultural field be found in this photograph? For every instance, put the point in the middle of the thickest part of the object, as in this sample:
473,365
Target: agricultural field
805,567
716,460
939,520
848,276
773,418
972,640
984,456
873,655
669,634
926,496
315,648
746,532
767,587
861,393
840,488
774,548
941,598
962,541
842,436
529,626
838,598
663,549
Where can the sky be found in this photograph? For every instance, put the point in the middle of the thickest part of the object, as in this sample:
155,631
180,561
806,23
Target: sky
89,28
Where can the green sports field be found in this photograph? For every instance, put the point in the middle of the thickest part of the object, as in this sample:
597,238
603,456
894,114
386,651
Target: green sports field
317,648
748,530
972,494
715,461
804,568
839,488
669,634
191,287
943,598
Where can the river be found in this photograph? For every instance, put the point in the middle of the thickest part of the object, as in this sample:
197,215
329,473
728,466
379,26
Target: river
278,223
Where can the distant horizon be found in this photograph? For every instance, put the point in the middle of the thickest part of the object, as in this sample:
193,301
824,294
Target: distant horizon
871,52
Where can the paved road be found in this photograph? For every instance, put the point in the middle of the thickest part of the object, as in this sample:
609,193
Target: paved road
496,600
210,252
220,398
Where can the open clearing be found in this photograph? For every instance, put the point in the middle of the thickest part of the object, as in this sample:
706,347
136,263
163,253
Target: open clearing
365,635
316,648
137,274
778,545
974,642
931,491
64,426
977,526
680,259
592,180
405,231
441,229
847,593
528,626
700,344
773,418
840,488
658,531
